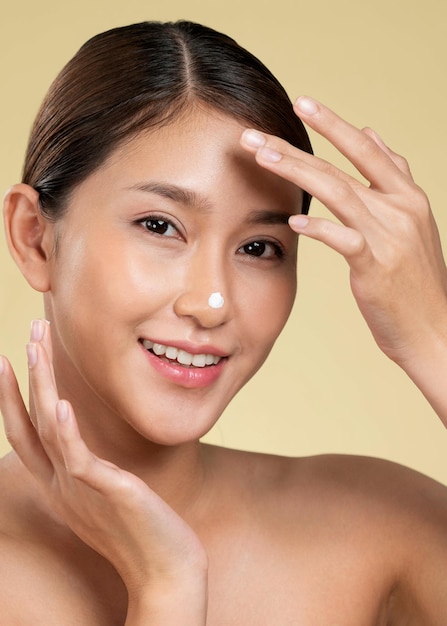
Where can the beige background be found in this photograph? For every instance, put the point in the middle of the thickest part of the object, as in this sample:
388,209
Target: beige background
326,387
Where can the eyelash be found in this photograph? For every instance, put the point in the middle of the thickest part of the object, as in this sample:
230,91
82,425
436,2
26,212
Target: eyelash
278,251
256,244
156,219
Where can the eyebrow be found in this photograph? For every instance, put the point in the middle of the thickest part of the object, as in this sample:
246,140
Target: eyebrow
191,199
173,192
269,217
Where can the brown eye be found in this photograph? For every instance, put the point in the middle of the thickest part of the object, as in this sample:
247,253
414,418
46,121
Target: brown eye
156,226
255,248
159,226
262,249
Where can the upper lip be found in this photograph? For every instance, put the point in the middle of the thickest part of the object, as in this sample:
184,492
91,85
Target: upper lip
189,347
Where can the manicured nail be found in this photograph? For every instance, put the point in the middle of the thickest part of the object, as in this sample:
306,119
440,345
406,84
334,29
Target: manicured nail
268,154
37,330
31,352
253,138
298,221
306,105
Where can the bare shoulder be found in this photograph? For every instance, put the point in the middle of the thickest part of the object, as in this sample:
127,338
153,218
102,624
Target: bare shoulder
367,524
404,514
367,482
401,509
354,484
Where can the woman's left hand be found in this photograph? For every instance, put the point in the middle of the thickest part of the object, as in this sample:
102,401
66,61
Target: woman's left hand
159,557
386,232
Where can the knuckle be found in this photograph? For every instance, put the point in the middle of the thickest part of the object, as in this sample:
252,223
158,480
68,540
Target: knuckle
325,229
13,438
75,471
340,191
415,205
79,467
366,146
419,200
294,169
401,162
355,243
369,149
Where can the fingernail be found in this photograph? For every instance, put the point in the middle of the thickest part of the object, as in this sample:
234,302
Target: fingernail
2,365
31,352
267,154
253,138
306,105
298,221
37,330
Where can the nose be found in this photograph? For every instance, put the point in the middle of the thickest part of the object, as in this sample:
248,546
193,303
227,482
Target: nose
205,296
207,308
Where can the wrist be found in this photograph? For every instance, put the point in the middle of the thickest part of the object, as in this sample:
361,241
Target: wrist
426,365
169,602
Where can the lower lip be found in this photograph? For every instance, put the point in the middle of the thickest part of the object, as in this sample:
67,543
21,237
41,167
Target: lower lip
190,377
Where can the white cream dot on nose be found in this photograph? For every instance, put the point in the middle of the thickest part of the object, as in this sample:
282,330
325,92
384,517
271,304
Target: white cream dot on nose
216,301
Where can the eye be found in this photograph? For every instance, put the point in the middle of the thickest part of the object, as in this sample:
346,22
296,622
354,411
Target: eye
262,249
159,226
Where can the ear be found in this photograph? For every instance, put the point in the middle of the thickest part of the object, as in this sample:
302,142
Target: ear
29,235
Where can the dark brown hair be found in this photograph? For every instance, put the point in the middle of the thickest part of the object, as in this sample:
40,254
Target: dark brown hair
139,77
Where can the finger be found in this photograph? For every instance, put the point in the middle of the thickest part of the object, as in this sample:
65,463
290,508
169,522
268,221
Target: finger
19,430
40,331
363,152
400,161
44,397
346,241
342,198
252,140
79,462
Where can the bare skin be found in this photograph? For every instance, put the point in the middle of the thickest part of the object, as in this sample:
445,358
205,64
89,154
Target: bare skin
329,540
169,531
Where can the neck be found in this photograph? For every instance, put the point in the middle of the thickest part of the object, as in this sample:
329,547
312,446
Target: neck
177,473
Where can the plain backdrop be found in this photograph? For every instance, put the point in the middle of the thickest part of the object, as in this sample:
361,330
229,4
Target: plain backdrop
326,387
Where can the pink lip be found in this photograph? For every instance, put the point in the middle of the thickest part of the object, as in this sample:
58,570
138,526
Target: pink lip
190,377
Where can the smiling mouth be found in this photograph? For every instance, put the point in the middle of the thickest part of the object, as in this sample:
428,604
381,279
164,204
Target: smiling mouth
175,355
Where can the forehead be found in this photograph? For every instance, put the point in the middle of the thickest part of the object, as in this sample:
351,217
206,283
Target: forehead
201,154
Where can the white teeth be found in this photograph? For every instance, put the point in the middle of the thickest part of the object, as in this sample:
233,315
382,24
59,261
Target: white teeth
159,349
171,353
183,357
199,360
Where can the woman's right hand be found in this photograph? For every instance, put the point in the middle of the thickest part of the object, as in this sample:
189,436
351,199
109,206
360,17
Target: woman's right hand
160,559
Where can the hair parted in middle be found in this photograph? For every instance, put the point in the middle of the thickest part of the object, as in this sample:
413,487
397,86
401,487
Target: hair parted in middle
140,77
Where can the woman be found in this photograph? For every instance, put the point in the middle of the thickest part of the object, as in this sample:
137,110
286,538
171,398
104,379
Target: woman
166,180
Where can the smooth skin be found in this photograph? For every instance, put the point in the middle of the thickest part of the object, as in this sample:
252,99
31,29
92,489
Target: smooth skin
167,530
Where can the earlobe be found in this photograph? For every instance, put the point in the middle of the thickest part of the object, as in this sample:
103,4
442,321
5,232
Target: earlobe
29,235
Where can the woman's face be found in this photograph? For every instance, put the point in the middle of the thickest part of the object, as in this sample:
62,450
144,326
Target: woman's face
171,217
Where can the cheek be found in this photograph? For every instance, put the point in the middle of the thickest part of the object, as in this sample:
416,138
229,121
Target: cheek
97,277
268,304
278,308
